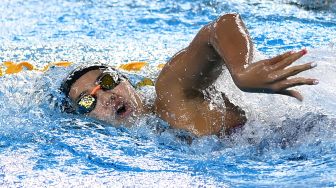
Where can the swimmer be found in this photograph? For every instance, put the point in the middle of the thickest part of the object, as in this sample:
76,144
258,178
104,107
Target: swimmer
105,94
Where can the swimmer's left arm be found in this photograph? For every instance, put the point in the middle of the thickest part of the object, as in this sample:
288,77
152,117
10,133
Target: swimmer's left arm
227,41
232,42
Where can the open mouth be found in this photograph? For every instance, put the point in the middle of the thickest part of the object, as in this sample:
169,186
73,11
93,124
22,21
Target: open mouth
123,110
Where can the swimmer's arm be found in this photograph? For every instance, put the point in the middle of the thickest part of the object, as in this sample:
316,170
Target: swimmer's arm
267,76
227,41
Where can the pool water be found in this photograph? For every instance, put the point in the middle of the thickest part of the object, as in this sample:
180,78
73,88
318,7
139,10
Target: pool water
285,143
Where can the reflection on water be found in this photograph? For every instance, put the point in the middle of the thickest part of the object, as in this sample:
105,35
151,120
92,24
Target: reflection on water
315,4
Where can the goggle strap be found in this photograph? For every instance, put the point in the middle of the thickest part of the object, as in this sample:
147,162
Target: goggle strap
94,91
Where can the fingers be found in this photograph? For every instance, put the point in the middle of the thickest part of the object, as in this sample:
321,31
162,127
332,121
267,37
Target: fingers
285,84
289,60
280,57
291,93
292,71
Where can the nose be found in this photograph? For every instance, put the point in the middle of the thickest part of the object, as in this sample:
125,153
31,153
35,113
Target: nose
107,98
102,95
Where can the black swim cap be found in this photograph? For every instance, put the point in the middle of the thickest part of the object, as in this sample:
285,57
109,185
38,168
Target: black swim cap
76,74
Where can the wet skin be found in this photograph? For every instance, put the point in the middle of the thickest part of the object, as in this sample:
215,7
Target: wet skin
117,106
180,85
223,42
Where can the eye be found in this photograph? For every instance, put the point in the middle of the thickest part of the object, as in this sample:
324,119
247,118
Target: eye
107,82
86,104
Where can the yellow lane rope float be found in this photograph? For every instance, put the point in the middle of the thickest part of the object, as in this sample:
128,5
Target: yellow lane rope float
13,68
133,66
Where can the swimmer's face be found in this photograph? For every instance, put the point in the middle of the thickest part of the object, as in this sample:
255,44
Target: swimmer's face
117,106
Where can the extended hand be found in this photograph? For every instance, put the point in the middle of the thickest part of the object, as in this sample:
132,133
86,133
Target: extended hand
272,75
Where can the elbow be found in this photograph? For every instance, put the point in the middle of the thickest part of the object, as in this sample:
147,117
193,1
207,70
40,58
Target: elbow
223,24
229,29
222,19
225,18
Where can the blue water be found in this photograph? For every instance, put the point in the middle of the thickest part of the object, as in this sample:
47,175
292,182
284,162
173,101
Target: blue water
284,144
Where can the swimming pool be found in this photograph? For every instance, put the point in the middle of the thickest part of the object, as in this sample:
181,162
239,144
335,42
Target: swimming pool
284,144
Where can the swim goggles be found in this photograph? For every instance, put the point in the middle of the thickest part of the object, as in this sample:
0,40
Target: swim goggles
107,81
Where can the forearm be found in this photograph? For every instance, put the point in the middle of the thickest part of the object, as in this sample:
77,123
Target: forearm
227,40
231,40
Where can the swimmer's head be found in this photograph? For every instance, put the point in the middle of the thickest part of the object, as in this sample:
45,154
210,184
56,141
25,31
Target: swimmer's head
103,93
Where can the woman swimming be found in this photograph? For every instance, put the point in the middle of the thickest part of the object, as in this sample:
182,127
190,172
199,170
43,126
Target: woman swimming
103,93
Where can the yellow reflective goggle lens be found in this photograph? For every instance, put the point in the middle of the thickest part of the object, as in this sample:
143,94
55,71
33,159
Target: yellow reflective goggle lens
86,104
